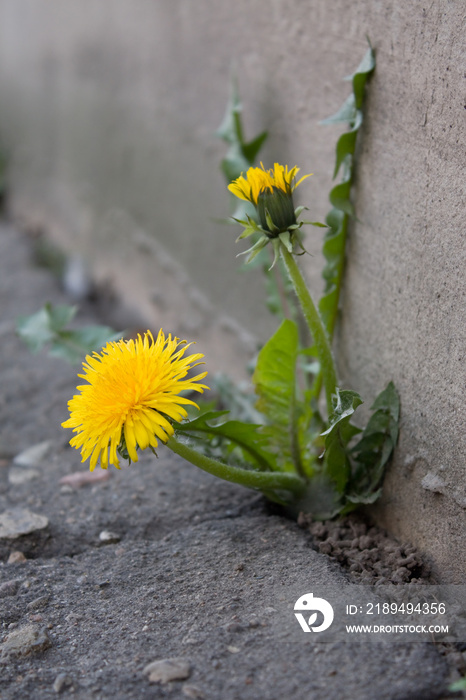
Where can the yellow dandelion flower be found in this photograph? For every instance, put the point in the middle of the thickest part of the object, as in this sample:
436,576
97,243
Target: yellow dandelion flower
133,391
259,180
271,192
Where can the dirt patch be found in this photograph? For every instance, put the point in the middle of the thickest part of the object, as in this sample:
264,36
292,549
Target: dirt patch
366,552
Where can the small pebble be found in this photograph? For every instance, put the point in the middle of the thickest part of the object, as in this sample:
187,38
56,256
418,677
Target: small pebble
9,588
108,537
61,682
26,640
20,475
36,617
166,670
191,691
81,478
16,557
325,547
34,455
19,521
234,627
38,603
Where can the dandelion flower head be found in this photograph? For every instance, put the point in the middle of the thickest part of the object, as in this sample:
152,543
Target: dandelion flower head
260,180
133,391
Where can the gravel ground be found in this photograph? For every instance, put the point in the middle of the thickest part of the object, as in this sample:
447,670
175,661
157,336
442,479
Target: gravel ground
160,581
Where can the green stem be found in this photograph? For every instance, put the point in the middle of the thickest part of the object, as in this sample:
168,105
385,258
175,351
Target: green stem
263,481
318,332
335,286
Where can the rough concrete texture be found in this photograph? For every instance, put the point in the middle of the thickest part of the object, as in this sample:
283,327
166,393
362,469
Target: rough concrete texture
160,582
109,117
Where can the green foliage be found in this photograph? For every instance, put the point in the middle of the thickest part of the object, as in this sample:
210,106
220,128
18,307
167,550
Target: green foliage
352,461
337,464
349,475
282,445
342,208
374,449
274,380
240,157
458,686
224,435
49,327
241,154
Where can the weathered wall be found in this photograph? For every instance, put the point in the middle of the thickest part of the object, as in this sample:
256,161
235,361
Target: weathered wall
110,109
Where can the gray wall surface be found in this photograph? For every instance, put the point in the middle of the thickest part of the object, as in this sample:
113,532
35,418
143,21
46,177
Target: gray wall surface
109,111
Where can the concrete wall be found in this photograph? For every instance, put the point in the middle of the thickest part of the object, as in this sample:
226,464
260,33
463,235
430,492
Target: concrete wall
109,110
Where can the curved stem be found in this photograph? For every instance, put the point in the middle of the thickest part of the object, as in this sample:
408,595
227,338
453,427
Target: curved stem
263,481
316,327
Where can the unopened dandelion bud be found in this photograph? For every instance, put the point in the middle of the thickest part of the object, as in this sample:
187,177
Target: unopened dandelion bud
276,211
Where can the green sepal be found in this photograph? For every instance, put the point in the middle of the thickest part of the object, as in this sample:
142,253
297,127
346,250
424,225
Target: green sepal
255,249
276,254
299,210
285,238
315,223
270,225
250,227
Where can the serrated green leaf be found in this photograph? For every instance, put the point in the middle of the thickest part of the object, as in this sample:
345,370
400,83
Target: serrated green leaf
345,402
74,345
241,154
337,218
35,330
41,328
346,113
361,75
365,499
228,129
389,400
274,380
345,145
234,163
60,315
375,447
339,198
245,435
251,149
457,686
48,327
337,463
